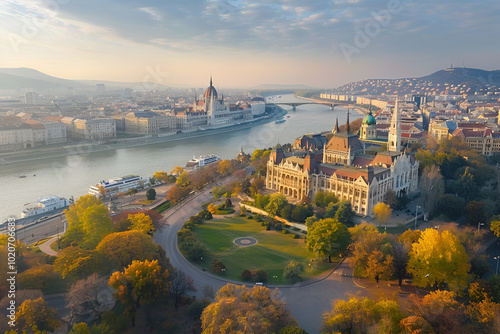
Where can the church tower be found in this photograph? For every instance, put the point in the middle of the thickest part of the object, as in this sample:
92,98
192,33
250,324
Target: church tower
394,142
336,128
368,127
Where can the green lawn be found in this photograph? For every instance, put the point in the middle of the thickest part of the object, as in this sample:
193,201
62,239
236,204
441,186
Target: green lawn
272,253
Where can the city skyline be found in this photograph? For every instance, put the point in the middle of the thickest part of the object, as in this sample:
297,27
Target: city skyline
243,43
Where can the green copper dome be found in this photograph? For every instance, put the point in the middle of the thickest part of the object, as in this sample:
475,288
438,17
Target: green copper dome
369,119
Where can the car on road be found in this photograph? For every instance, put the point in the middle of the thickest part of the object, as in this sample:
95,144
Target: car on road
219,184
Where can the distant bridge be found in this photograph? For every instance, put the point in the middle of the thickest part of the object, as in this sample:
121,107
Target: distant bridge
295,104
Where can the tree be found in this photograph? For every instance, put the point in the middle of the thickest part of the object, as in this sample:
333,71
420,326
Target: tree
225,167
258,183
362,315
151,194
161,176
400,256
364,246
391,199
218,266
141,222
75,263
140,284
124,247
382,212
277,201
450,205
176,194
177,170
301,212
181,285
36,313
182,180
432,186
328,238
379,265
474,212
102,190
344,213
74,215
409,237
84,296
96,224
415,324
438,259
495,228
293,270
361,230
246,310
466,184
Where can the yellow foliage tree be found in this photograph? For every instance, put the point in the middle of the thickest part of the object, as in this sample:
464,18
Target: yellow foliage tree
225,167
161,176
438,259
178,170
36,313
382,212
141,222
140,284
211,207
124,247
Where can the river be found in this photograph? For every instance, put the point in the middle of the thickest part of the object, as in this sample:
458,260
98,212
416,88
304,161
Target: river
72,175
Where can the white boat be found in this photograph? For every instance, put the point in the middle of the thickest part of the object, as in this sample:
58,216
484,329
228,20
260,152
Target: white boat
202,161
44,205
281,120
117,185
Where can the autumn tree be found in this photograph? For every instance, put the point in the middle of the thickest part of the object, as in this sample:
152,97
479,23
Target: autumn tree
361,230
382,212
180,286
362,315
328,238
161,176
176,194
140,284
141,222
246,310
400,251
495,228
225,167
75,263
36,313
293,270
182,180
409,236
85,295
432,187
177,170
74,216
379,265
124,247
438,258
364,246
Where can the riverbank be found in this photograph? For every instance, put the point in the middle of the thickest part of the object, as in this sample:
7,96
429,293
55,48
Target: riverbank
114,144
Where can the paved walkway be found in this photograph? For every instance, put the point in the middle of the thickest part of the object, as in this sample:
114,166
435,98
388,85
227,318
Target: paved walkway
45,247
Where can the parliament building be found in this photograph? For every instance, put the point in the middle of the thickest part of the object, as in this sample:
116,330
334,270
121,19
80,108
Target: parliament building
341,167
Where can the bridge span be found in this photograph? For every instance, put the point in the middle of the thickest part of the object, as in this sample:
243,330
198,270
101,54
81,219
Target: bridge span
295,104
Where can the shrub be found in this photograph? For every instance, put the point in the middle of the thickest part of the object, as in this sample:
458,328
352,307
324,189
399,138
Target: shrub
218,266
296,236
260,276
249,217
246,275
228,203
284,231
242,215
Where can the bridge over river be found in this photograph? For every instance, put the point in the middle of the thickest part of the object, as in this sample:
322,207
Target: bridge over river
295,104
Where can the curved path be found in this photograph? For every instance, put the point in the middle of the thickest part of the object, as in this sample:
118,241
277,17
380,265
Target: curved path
307,300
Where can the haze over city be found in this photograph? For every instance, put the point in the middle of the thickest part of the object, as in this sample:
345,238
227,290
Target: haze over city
247,43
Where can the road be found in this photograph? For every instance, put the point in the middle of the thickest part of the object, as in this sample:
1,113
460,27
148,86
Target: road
307,302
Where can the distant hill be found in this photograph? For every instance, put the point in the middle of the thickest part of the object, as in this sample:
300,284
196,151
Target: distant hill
282,87
27,78
459,80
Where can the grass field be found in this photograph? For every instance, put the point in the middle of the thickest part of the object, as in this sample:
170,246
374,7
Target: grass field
272,253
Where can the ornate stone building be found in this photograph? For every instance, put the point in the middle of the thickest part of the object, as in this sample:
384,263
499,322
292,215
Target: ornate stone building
343,169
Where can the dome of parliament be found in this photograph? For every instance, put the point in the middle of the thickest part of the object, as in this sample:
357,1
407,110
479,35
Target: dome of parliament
210,92
369,119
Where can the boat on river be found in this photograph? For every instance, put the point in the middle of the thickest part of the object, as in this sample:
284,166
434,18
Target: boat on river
44,205
201,161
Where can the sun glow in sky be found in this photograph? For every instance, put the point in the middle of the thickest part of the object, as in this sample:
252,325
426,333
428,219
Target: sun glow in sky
321,43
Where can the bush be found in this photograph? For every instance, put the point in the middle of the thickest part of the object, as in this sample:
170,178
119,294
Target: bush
284,231
242,215
228,203
259,218
246,275
249,217
293,271
296,236
260,276
218,266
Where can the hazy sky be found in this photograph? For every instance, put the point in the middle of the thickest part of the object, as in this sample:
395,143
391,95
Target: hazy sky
321,43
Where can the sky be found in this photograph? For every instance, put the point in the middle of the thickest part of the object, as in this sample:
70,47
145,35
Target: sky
319,43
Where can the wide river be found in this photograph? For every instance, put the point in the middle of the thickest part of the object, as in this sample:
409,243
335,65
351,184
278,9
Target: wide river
72,175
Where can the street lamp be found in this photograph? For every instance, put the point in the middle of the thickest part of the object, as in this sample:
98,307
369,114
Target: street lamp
479,226
497,258
416,212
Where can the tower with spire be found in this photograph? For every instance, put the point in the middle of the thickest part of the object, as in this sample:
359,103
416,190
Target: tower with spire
336,128
348,126
394,142
368,128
